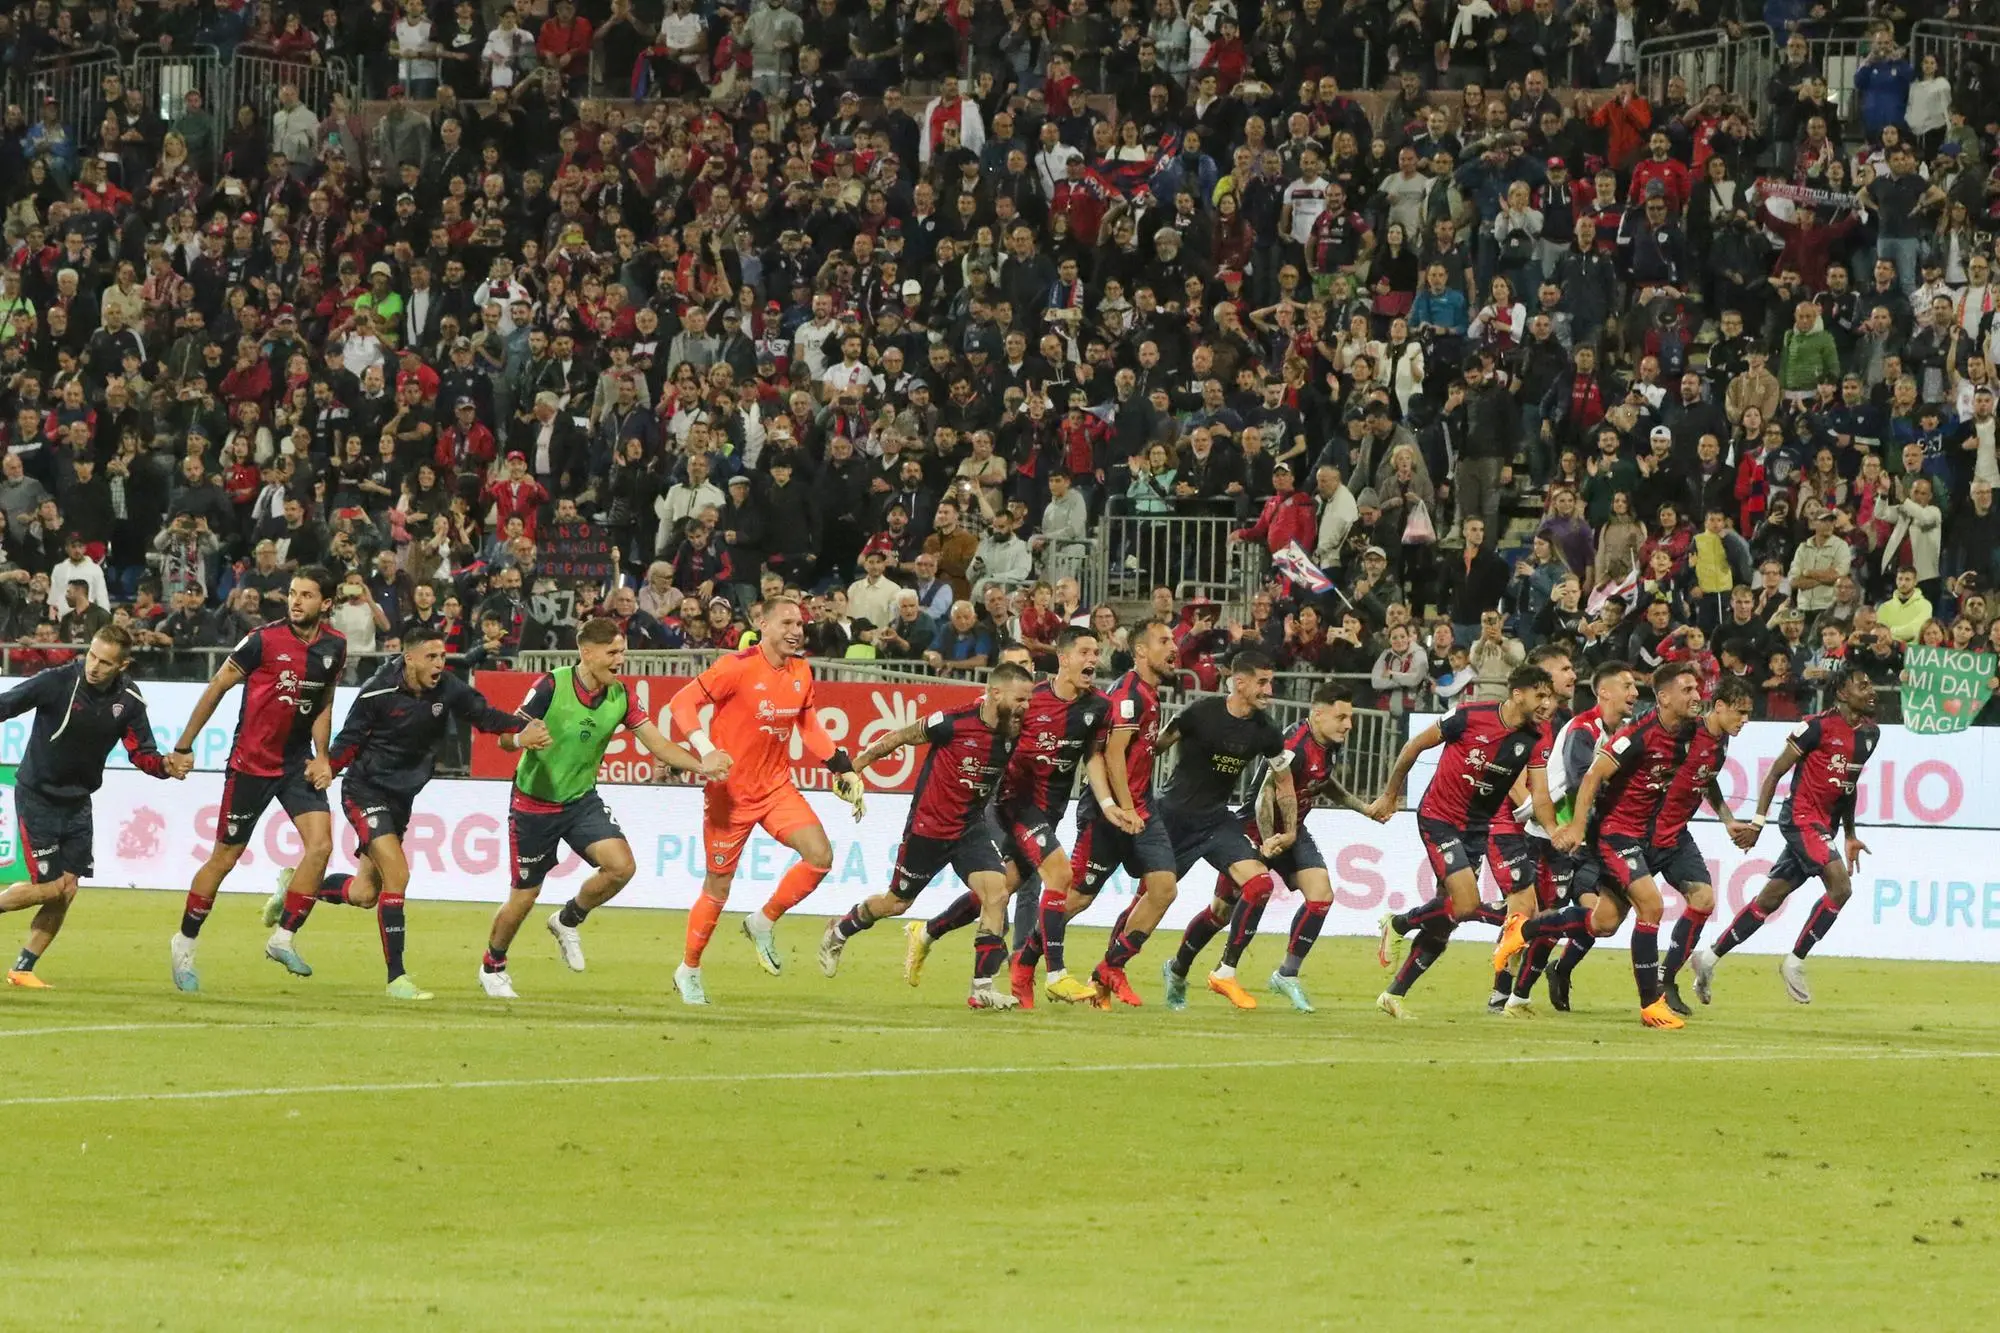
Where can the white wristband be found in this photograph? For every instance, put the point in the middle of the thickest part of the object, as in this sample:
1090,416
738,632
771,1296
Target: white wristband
1757,821
703,746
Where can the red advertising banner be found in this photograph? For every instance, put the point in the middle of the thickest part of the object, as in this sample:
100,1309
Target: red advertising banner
855,713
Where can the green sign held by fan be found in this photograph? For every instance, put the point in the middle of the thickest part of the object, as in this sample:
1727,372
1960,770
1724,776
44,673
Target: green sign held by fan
1944,689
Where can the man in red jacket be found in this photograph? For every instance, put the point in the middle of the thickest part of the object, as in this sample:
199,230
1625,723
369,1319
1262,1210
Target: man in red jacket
1624,117
519,496
466,446
1287,517
564,42
1660,165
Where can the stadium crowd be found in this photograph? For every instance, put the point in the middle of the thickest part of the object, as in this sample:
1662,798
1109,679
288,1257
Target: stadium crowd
1508,350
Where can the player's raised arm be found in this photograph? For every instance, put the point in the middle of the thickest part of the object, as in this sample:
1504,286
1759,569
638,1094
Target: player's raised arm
914,734
712,686
1385,805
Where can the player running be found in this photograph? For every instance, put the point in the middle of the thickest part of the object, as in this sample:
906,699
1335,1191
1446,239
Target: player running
756,699
1567,876
384,756
1829,750
1061,731
81,709
555,799
1216,740
951,824
1315,746
287,669
1514,860
1672,854
1487,746
1615,804
1127,832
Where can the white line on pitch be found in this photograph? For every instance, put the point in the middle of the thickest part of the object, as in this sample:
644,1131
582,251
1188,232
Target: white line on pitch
103,1027
973,1071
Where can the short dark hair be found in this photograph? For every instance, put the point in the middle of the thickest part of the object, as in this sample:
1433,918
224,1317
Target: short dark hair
319,576
1142,627
1332,692
1249,661
598,629
1525,677
419,635
1606,670
1007,673
1554,650
1070,634
1672,672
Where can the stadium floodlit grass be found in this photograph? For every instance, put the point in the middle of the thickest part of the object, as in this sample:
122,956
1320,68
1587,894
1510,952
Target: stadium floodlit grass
278,1153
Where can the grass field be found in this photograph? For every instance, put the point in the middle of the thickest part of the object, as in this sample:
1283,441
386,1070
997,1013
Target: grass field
284,1154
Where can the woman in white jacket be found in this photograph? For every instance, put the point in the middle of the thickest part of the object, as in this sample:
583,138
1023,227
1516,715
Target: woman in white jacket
1929,107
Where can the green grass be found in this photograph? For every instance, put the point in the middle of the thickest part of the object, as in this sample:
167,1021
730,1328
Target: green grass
857,1155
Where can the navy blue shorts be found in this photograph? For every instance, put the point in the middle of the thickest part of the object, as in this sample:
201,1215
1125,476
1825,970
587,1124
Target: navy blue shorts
1102,847
534,837
921,859
56,836
1028,837
1218,839
1564,876
372,812
1451,850
1303,854
245,796
1624,862
1808,849
1681,865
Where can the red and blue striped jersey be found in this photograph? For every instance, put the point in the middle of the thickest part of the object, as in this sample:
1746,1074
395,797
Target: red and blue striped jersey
1706,753
1133,706
956,785
1648,755
1832,754
287,683
1056,736
1312,763
1482,757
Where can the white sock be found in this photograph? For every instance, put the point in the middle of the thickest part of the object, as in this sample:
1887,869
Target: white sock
282,938
1225,971
1057,975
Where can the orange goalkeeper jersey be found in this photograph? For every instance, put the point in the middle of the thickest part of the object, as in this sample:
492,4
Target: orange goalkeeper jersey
757,707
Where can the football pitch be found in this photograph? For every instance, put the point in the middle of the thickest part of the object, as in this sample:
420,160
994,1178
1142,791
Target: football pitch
853,1154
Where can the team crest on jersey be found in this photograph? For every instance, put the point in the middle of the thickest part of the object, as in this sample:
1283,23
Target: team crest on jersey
117,710
437,710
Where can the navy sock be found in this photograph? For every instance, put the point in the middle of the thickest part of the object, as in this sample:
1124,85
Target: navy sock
1687,933
987,953
1533,959
1305,929
573,914
389,922
1124,947
858,919
1195,938
1573,952
333,888
1560,923
963,911
494,961
1437,909
26,962
1825,912
1646,960
1055,924
1429,947
1747,923
1491,914
1244,919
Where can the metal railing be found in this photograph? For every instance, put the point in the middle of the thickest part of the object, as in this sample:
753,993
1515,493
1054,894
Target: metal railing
165,77
1951,43
255,77
75,83
1193,555
1741,64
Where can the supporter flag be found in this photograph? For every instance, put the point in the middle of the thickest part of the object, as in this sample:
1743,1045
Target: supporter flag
1604,592
1296,565
1944,688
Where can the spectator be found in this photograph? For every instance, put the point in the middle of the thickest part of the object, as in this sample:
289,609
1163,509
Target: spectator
964,644
1493,655
77,566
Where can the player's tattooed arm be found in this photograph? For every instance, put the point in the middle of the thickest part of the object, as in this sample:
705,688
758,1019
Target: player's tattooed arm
1383,806
227,679
1285,794
1335,793
715,765
889,744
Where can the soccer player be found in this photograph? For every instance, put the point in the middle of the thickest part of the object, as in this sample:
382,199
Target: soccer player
287,669
384,755
1216,740
1513,858
1315,746
1568,875
1672,854
1060,732
1615,804
555,799
951,823
1829,750
1487,746
1128,832
757,698
81,709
